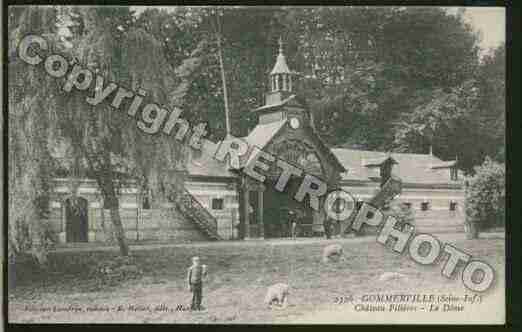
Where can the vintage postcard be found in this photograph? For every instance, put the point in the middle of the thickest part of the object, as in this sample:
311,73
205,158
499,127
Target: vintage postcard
256,164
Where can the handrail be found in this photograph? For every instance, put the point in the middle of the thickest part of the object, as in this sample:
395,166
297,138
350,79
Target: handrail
199,212
201,209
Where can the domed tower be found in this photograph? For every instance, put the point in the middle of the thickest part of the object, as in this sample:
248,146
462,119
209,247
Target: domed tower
281,102
280,79
284,130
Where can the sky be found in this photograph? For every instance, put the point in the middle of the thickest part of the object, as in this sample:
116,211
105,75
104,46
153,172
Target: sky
490,21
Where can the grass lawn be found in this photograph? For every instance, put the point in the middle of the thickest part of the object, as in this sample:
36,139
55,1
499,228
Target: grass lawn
238,277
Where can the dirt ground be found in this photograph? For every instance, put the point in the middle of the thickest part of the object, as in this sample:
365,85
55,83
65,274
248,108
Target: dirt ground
237,280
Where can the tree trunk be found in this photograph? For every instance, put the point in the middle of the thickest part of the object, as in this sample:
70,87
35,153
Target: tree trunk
37,234
104,178
118,229
111,202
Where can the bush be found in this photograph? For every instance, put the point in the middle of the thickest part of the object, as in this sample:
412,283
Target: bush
23,268
485,196
20,239
116,269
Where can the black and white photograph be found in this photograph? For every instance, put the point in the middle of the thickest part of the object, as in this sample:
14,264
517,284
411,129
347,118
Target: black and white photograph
255,164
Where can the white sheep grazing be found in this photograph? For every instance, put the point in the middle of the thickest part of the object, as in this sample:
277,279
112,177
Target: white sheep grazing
333,253
277,293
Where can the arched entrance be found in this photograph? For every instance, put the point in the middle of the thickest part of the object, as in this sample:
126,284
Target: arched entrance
281,207
76,219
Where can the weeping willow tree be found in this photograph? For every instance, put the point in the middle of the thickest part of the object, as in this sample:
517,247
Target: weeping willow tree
114,149
30,165
105,140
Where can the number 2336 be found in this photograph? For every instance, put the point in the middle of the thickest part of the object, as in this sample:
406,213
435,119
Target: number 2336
343,299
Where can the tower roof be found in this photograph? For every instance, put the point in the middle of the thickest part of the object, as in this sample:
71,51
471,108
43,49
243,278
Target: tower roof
280,66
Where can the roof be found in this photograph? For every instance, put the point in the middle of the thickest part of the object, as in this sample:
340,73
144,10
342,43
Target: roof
203,163
280,66
378,161
269,106
263,133
410,167
444,164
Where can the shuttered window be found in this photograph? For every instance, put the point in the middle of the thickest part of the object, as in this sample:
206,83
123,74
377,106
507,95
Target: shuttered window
217,204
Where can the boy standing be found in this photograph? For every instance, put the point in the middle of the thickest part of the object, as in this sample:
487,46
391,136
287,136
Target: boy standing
195,276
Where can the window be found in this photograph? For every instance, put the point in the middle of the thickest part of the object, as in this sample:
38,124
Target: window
407,205
454,174
425,206
217,204
453,206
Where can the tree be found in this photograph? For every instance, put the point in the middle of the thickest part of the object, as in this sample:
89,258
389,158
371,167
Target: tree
382,78
485,198
110,143
248,47
363,70
448,123
491,82
107,144
468,120
30,164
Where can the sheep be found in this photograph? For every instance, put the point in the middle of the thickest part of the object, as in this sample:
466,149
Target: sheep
333,253
277,293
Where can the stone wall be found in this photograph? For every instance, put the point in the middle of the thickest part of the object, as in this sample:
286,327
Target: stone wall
162,224
437,218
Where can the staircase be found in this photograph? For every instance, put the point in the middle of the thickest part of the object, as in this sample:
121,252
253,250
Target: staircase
197,213
391,188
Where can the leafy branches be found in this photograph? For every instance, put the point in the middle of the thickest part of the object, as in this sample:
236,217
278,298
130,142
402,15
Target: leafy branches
485,195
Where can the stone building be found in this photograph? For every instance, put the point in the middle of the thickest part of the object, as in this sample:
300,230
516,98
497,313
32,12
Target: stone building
221,204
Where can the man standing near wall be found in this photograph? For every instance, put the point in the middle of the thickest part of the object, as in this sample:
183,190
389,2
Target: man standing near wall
293,223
